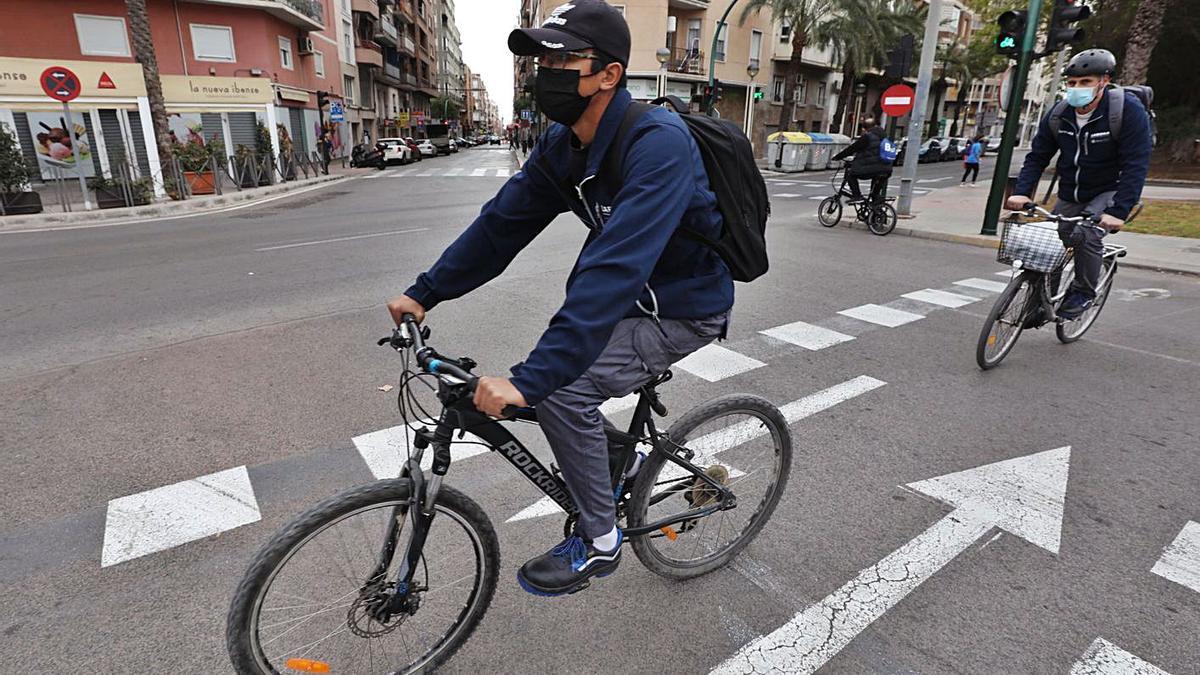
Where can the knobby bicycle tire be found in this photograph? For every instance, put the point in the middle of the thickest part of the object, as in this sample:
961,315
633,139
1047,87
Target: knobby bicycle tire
998,309
693,419
239,629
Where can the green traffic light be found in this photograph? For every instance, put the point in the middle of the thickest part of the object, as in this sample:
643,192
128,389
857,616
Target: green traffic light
1008,42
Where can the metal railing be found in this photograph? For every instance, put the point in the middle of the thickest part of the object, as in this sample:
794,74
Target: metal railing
310,8
690,61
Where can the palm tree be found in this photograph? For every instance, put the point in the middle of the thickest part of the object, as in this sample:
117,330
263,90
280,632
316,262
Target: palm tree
859,34
801,16
1143,37
953,58
143,45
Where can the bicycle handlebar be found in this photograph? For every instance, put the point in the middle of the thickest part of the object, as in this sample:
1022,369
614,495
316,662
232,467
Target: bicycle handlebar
1032,209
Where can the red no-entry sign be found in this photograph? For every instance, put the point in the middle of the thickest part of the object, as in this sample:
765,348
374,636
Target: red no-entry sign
897,99
60,84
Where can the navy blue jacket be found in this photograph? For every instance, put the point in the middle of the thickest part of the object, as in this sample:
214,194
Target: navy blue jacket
630,243
1092,161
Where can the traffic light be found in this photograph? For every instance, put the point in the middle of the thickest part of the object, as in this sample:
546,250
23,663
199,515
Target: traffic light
322,99
758,94
1012,32
1062,33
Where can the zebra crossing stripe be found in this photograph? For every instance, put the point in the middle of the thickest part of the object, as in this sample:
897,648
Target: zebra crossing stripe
503,173
1180,561
386,450
982,284
940,298
479,172
713,363
880,315
1105,658
807,335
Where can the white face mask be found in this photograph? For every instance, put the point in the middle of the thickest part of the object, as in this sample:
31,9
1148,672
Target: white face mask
1079,97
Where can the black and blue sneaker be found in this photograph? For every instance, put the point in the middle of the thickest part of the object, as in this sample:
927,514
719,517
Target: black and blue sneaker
566,568
1073,305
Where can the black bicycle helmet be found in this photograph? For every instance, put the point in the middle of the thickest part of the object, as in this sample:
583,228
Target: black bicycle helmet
1091,62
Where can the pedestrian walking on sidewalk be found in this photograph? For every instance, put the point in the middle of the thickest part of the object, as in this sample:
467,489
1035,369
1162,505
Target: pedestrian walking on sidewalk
971,160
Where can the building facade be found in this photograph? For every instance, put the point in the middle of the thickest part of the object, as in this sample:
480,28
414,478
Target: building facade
451,78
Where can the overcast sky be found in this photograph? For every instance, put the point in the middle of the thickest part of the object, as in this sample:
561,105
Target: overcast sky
484,26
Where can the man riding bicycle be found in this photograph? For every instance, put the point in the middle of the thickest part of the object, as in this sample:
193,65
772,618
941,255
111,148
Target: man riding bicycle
1099,171
867,162
638,299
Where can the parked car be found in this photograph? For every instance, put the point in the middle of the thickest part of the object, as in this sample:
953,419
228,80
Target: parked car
931,151
954,148
395,151
426,147
992,145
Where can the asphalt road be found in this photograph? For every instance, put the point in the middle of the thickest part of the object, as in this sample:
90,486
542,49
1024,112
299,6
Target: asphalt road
143,356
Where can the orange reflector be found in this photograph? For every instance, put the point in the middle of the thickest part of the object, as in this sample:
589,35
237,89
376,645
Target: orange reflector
991,340
670,532
307,665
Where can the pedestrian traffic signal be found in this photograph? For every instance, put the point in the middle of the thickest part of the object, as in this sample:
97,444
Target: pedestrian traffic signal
758,94
322,99
1012,32
1062,33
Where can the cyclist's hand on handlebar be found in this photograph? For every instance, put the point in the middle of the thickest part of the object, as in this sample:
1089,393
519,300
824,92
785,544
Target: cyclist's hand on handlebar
405,305
492,394
1111,223
1018,202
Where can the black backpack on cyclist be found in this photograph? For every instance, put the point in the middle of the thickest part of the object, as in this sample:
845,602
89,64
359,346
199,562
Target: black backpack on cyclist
733,176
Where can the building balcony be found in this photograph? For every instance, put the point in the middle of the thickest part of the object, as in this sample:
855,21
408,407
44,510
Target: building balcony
368,53
687,61
688,4
385,31
408,81
365,6
303,14
404,45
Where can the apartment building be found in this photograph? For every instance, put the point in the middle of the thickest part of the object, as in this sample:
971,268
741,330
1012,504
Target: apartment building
225,65
451,79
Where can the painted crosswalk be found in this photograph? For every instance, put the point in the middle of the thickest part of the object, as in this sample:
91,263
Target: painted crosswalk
1105,658
713,362
807,335
880,315
1180,560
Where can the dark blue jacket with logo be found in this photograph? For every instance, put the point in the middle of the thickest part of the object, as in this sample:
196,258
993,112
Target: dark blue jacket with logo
1092,161
630,244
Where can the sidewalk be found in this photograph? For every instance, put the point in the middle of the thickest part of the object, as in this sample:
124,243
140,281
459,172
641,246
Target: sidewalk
956,214
168,207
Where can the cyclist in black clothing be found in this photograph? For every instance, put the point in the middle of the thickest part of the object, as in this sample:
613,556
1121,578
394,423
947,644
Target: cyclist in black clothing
866,163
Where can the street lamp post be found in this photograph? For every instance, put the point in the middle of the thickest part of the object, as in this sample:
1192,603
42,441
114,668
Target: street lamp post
860,90
752,71
663,55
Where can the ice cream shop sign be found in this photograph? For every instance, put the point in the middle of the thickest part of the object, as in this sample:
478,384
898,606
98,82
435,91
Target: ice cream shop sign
216,90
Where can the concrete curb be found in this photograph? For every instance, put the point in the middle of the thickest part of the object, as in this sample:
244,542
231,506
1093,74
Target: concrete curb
162,209
984,241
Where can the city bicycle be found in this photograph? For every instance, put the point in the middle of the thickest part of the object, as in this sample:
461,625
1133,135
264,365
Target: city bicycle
879,217
1042,273
395,575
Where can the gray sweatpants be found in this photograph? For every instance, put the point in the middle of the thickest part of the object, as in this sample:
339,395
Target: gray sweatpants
638,351
1087,241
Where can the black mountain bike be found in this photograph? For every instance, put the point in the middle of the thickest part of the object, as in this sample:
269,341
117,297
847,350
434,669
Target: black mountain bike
395,575
1042,274
880,218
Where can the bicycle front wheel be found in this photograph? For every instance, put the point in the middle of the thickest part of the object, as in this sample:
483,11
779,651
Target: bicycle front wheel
1070,331
309,600
741,441
829,213
882,219
1005,322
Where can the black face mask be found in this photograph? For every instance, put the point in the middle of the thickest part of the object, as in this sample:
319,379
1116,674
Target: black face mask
556,91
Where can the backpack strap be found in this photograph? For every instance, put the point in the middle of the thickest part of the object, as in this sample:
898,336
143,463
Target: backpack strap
612,166
1116,111
1055,116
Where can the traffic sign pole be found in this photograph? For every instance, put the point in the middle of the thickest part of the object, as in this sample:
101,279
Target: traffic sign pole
1012,123
63,85
87,200
912,151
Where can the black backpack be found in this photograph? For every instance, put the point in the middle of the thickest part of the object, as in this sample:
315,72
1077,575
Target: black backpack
1116,110
733,176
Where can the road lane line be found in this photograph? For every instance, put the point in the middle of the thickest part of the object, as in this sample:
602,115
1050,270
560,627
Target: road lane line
880,315
807,335
982,284
714,362
337,239
1105,658
172,515
941,298
1180,560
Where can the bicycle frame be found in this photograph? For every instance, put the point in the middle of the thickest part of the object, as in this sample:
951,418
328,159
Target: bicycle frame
1049,298
461,415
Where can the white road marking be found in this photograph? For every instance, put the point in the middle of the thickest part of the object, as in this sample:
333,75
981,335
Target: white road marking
1105,658
807,335
385,451
982,284
427,174
818,197
786,195
942,298
479,172
880,315
735,434
615,405
933,180
1023,496
454,171
1180,560
714,362
503,173
384,174
166,517
337,239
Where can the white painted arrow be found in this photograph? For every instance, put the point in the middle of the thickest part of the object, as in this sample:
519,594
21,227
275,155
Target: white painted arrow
1180,561
1105,658
1023,496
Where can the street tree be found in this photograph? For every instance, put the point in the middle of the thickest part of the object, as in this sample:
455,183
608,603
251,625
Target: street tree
800,17
143,46
1143,37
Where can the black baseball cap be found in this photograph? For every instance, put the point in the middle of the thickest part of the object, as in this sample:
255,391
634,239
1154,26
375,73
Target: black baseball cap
579,24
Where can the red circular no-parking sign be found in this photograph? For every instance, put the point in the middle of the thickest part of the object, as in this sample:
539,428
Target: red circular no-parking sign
60,84
897,99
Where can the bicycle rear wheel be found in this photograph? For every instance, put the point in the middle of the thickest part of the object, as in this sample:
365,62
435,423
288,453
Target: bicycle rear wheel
1005,322
742,441
829,213
882,219
1070,331
306,602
